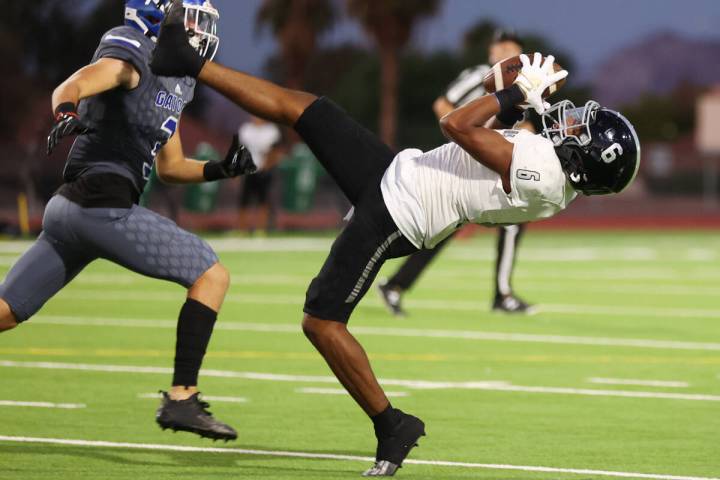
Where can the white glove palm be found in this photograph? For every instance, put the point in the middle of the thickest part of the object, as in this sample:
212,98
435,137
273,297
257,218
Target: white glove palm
536,77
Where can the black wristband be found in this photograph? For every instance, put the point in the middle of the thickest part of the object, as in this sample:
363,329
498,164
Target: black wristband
67,107
510,116
213,171
510,97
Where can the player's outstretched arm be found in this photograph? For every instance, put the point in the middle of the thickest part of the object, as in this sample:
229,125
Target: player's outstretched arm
174,56
173,167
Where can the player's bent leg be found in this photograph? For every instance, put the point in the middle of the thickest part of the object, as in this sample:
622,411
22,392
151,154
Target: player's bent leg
396,431
392,290
354,157
353,263
348,361
211,287
44,269
155,246
7,317
181,408
195,325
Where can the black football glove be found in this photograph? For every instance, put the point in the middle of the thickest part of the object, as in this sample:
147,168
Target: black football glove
174,56
67,122
238,162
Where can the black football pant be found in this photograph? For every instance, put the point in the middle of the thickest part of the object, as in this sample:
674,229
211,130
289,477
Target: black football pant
508,240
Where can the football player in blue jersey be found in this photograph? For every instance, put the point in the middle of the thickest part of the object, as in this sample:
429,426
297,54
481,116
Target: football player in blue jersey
126,120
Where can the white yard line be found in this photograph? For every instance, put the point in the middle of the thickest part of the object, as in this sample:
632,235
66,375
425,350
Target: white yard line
390,332
414,384
348,458
444,305
342,391
556,284
641,383
209,398
66,406
550,284
290,245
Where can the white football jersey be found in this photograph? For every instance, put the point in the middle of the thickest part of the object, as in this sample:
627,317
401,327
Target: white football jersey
430,195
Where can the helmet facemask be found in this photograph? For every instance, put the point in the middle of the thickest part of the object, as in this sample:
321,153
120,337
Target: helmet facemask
201,24
201,20
564,123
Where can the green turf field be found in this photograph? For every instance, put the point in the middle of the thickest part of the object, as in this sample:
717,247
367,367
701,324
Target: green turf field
620,372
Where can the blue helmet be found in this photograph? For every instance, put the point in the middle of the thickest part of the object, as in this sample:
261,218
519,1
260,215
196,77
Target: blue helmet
201,20
146,15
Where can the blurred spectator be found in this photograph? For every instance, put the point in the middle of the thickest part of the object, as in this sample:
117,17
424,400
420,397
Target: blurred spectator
263,140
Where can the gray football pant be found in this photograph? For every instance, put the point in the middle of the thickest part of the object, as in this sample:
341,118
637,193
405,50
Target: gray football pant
72,237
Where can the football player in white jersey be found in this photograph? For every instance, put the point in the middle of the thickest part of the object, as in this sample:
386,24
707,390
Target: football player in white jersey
413,199
465,88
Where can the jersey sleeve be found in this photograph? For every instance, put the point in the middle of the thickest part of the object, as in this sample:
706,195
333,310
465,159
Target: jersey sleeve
536,177
122,44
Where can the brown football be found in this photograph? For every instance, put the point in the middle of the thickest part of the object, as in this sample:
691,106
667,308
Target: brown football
504,73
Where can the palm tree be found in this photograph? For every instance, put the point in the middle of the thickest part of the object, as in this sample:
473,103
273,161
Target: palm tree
390,23
296,24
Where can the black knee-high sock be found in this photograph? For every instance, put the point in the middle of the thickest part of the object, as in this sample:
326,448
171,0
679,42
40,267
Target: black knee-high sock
194,329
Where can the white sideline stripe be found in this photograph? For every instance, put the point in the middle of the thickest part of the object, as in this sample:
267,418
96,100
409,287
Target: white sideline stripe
416,384
555,284
210,398
349,458
471,252
642,383
67,406
393,332
342,391
307,244
546,285
454,305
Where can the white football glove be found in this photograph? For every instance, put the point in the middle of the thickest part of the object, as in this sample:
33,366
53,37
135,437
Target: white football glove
535,78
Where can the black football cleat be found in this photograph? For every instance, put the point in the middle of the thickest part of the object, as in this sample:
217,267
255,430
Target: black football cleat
512,304
392,450
392,298
191,415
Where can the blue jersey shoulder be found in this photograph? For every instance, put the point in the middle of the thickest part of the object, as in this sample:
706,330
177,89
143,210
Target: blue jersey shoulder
127,38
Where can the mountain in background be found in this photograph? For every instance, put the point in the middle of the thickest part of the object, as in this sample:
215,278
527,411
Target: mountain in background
656,65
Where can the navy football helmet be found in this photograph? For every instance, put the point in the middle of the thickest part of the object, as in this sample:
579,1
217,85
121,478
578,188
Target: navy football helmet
201,20
597,147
